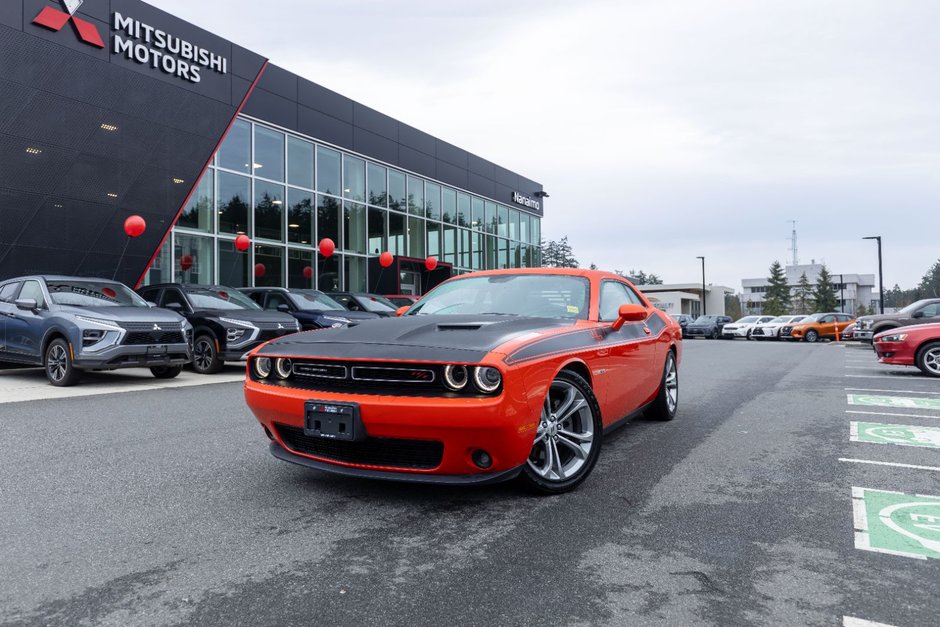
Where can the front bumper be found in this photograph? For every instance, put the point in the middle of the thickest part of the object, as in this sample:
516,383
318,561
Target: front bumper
894,353
122,356
864,336
504,426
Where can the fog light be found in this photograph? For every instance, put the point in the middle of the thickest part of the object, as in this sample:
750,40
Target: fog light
283,367
262,366
482,459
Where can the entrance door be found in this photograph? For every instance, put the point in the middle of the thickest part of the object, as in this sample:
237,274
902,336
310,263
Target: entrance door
409,282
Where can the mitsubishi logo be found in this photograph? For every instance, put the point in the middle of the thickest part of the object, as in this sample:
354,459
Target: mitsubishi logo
156,327
280,326
55,20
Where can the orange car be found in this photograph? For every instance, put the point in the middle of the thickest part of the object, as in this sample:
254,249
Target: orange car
491,376
817,326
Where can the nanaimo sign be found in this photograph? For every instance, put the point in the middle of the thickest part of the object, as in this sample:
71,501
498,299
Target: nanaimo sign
525,201
138,42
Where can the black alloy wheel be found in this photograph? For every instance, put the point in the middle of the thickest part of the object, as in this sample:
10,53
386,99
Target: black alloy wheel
166,372
667,401
568,439
60,370
928,359
812,336
205,355
715,333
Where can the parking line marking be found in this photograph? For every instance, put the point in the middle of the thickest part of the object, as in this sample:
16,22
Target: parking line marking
878,365
890,391
896,523
894,464
895,402
898,377
901,435
882,413
851,621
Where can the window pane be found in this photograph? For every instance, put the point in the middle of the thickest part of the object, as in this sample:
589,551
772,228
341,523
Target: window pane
354,178
450,245
434,239
490,218
463,210
396,234
198,212
356,274
376,231
449,205
269,153
159,270
299,163
300,272
432,200
416,237
328,210
478,256
234,192
524,227
378,186
235,153
415,196
503,253
233,264
513,224
354,231
269,210
299,216
535,233
397,196
502,224
515,255
328,273
464,249
192,258
328,171
269,266
477,219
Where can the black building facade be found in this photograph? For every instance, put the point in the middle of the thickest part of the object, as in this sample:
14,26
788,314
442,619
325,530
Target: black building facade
113,108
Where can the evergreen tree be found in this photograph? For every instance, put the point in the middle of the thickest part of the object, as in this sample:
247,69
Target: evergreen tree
803,296
566,258
861,311
825,293
777,299
930,285
733,306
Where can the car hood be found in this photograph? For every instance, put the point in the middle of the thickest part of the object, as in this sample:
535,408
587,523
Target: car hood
250,315
888,316
124,314
701,325
464,339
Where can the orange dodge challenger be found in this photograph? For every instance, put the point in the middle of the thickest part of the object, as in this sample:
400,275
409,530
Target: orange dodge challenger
492,375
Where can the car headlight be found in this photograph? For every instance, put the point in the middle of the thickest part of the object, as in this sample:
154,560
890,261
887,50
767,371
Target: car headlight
895,337
865,324
262,366
283,367
336,321
108,324
456,377
487,379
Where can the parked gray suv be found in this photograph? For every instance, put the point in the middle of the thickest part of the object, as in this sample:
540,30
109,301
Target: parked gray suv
71,324
922,312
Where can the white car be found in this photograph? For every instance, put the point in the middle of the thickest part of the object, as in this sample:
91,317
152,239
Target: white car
771,330
743,327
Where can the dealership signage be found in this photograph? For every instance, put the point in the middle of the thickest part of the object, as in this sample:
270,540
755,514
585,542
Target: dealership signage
525,201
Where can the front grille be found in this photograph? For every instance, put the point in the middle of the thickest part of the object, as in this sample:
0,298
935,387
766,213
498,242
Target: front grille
140,338
757,332
265,336
786,330
388,452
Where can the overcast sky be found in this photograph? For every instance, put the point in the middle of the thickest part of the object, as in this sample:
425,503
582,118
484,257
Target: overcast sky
663,129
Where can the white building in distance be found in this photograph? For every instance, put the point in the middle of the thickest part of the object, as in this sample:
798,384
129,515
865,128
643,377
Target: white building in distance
686,298
852,289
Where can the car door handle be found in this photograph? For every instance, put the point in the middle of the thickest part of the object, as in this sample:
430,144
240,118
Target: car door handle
603,352
646,330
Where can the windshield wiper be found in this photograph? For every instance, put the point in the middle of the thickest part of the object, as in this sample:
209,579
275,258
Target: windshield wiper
497,313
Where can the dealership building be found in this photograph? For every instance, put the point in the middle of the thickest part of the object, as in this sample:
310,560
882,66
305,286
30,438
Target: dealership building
113,108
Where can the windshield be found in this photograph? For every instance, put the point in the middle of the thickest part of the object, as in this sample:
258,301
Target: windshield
375,303
314,300
747,320
808,319
705,319
535,295
780,320
913,307
219,298
93,294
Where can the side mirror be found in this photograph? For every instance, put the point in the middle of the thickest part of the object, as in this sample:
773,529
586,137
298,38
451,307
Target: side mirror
401,311
629,313
151,304
284,307
917,314
174,306
27,304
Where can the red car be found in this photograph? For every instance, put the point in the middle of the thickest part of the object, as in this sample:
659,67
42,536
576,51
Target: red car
491,376
917,345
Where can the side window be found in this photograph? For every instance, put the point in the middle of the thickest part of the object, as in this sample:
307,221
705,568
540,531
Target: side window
8,292
150,295
845,318
174,296
930,311
258,297
352,305
275,300
613,295
32,289
827,319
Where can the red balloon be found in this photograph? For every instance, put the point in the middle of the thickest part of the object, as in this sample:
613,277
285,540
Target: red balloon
242,242
327,247
260,269
386,259
135,226
430,263
308,272
186,262
107,291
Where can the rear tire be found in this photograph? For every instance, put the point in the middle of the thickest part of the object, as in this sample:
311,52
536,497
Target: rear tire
667,401
928,359
812,336
60,371
715,334
166,372
205,356
568,440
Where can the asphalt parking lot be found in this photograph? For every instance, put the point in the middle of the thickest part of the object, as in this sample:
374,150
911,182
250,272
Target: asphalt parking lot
794,487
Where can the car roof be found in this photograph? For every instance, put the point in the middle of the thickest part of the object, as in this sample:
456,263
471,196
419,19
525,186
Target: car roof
60,277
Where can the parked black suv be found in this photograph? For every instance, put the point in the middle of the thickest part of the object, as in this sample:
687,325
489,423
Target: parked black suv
227,324
707,326
312,308
70,324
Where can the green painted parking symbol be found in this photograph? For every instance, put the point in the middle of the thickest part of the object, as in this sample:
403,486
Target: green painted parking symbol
897,523
897,402
903,435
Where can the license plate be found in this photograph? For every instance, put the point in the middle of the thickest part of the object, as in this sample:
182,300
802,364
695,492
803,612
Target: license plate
333,421
156,351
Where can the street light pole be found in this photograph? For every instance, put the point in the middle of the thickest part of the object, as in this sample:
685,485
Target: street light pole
881,279
704,308
842,294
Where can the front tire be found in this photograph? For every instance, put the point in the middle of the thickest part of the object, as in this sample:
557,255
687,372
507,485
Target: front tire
812,336
667,401
60,371
205,356
715,334
928,359
568,440
166,372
